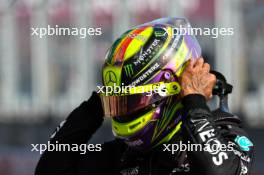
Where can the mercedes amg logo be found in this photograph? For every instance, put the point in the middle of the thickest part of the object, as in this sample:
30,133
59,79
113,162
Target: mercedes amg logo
110,78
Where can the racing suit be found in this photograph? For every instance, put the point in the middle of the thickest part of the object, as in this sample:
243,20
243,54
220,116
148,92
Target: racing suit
200,126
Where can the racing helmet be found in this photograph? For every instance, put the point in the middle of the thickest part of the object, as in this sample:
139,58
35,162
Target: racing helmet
142,68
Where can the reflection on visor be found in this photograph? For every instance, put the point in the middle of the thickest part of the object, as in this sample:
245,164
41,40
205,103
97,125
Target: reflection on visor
125,104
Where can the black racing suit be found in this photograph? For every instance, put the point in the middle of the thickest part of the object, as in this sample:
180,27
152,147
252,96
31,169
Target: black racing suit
200,126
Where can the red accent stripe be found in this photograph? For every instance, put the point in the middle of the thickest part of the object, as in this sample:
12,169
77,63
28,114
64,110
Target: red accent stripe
125,44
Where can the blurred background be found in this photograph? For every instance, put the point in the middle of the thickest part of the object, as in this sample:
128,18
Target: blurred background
43,79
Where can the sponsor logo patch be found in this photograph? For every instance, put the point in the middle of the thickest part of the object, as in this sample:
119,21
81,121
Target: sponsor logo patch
243,142
130,171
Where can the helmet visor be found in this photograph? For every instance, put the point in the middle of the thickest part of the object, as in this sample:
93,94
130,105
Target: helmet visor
137,98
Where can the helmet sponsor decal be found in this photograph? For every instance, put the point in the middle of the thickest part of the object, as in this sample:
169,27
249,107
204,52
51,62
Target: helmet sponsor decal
129,70
150,52
147,74
161,32
111,75
110,78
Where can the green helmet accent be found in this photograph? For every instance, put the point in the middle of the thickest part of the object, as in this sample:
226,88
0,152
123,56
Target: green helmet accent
168,137
132,127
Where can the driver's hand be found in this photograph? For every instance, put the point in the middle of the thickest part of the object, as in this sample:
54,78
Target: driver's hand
196,79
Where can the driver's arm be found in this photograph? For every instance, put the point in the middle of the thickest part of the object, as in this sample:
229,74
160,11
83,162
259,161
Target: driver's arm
78,128
200,127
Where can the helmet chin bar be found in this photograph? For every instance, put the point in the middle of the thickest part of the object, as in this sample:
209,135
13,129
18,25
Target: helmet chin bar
222,89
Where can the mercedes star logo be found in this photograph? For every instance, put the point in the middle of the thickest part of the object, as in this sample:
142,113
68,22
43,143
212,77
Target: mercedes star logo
110,78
